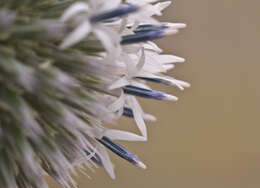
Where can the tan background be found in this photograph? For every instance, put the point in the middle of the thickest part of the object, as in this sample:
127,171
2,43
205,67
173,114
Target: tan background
210,138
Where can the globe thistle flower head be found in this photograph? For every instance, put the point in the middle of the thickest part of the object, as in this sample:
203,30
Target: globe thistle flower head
67,68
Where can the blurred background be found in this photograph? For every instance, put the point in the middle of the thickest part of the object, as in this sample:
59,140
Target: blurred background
210,137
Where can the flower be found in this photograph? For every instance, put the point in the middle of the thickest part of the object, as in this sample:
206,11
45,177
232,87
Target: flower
68,68
135,60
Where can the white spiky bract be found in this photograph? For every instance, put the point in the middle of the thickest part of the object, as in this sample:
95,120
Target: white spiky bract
88,72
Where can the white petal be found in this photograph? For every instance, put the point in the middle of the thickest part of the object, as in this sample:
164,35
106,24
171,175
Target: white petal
170,97
123,135
73,10
149,117
152,46
109,167
161,6
179,83
151,10
130,60
175,25
184,84
131,49
141,62
119,83
140,84
130,65
107,37
108,5
138,115
77,35
122,25
141,165
118,104
168,67
140,2
170,31
170,59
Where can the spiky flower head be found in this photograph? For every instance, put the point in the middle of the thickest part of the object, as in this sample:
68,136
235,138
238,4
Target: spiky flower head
66,69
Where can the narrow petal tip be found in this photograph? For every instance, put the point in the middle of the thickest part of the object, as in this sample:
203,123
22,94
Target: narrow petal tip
141,165
175,25
170,32
149,117
170,97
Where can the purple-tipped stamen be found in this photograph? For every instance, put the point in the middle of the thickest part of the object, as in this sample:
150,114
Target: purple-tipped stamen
149,27
142,37
141,92
121,151
147,93
119,12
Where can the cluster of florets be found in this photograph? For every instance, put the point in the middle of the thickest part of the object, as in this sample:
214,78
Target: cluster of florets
93,60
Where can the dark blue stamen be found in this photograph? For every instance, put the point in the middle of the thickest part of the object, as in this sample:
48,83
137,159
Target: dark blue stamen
148,27
119,150
146,93
121,11
142,37
111,20
155,80
96,159
128,112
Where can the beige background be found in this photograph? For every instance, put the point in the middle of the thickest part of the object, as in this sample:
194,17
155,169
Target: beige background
210,137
